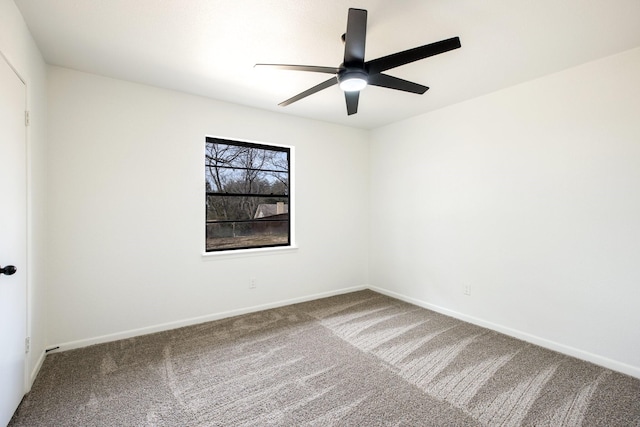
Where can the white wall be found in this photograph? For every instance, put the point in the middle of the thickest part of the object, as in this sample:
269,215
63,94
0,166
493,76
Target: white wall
531,196
126,209
19,48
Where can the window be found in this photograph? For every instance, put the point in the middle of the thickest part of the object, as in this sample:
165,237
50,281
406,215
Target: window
247,195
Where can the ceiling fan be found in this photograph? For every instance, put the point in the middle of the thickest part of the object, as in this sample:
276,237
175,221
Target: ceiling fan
354,74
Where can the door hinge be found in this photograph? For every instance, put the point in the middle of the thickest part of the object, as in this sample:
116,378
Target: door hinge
27,345
27,119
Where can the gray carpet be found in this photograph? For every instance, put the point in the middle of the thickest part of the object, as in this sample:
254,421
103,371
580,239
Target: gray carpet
360,359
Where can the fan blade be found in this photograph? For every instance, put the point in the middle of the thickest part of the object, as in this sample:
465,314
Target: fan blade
313,68
332,81
384,80
405,57
352,102
355,37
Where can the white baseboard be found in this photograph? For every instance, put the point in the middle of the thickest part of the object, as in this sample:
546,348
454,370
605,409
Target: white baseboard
34,372
194,321
614,365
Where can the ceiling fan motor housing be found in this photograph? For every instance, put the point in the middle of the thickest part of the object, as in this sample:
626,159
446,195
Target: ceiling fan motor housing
352,79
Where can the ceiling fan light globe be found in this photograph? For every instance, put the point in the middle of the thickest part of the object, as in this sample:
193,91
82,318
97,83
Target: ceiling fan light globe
353,84
353,80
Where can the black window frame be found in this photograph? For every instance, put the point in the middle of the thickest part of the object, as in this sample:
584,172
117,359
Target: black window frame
251,222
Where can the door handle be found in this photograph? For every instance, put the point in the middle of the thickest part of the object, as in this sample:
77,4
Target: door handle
8,270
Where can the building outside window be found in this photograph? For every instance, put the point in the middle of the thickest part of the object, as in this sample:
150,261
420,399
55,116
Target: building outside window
247,195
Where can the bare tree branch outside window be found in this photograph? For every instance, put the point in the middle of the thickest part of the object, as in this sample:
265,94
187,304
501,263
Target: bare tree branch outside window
247,195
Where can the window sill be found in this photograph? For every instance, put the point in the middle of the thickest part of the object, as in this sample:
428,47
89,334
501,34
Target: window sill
241,253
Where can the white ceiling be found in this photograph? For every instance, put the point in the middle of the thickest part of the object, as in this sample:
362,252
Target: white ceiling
209,47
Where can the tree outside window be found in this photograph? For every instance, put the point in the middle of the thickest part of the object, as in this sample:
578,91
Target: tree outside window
247,195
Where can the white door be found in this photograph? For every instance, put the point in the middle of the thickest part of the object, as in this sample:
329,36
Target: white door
13,240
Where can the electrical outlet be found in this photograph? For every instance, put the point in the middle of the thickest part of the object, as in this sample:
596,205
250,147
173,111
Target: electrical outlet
252,283
467,290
